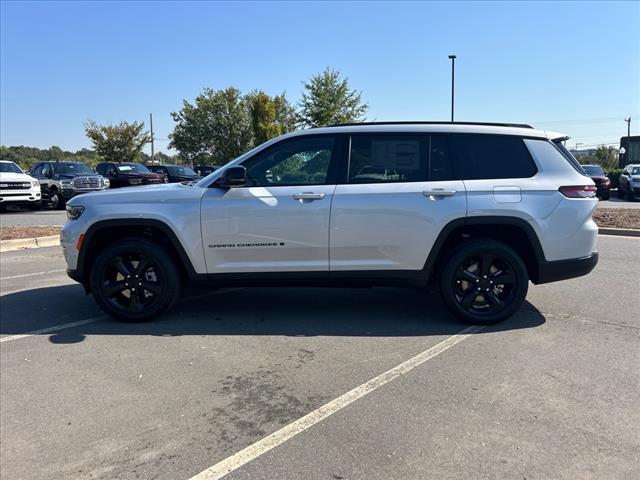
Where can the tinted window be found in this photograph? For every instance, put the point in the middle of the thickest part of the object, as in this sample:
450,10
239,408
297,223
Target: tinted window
101,169
388,158
440,165
295,162
70,168
593,170
492,156
9,168
46,169
37,172
132,168
179,170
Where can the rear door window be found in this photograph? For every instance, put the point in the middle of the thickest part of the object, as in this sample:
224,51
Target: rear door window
388,158
480,157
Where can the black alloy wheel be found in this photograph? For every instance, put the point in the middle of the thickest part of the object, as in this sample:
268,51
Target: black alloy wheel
134,280
484,281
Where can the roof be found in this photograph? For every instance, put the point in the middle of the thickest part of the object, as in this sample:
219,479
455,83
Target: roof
521,130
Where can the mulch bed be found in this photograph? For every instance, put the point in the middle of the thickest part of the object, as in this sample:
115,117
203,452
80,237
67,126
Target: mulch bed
618,217
12,233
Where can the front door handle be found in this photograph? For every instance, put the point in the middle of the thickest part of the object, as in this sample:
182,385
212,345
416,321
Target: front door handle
438,192
308,196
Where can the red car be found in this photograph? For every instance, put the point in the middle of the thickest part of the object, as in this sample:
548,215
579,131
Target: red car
599,177
129,174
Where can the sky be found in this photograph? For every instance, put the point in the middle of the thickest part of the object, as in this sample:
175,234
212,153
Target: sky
572,67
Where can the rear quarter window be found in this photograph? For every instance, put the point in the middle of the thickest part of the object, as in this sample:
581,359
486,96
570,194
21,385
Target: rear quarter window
480,157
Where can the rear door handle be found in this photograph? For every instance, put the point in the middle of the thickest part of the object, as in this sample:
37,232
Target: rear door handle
308,196
438,192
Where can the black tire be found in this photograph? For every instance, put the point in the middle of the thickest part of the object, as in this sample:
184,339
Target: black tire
620,192
134,280
606,196
629,195
470,278
35,206
56,200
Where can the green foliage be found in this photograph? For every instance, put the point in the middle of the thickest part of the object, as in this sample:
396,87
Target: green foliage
606,157
614,176
262,110
215,129
327,99
118,143
27,157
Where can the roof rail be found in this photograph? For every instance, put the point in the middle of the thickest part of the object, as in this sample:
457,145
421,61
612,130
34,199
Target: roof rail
490,124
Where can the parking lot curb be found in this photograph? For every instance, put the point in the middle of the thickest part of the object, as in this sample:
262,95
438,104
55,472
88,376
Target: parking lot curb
24,243
625,232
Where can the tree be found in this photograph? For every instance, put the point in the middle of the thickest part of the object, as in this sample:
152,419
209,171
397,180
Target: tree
117,143
607,157
216,128
327,99
262,110
270,116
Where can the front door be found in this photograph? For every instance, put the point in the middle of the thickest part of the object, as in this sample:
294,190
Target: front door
279,221
401,191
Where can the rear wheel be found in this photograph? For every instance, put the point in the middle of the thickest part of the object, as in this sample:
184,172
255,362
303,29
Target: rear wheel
484,281
134,280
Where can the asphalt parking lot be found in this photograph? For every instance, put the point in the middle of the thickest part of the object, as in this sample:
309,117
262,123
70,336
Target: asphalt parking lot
551,393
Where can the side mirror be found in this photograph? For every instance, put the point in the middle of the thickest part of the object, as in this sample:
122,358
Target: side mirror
234,177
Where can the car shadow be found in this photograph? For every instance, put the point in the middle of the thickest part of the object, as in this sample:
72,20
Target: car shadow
385,312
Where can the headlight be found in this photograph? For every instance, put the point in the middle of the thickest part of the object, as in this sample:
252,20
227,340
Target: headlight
35,183
73,213
135,181
106,182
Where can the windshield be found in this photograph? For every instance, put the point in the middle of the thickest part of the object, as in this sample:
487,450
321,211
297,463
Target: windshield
180,171
132,168
593,170
9,167
70,168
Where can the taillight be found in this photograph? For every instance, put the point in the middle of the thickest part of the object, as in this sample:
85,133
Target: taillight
580,191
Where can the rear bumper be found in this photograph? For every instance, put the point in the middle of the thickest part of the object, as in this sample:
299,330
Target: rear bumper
564,269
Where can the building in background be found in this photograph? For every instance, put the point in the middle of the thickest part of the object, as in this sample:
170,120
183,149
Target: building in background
629,151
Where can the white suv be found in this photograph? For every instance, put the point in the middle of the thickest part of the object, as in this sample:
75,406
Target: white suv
480,209
18,188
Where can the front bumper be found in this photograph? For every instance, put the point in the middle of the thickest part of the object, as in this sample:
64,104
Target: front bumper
69,193
13,197
565,269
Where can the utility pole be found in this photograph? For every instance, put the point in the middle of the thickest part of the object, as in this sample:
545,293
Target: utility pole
151,124
628,120
453,76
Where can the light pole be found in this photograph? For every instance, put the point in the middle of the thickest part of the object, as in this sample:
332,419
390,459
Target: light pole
628,120
453,76
577,145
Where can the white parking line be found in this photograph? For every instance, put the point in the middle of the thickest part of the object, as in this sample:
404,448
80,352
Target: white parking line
64,326
251,452
32,274
54,328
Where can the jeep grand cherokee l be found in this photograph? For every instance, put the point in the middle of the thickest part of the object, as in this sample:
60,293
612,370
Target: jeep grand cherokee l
479,209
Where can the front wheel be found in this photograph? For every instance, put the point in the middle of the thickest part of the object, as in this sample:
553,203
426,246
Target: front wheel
134,280
484,281
56,200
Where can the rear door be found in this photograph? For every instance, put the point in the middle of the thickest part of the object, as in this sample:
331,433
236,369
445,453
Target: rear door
400,192
279,222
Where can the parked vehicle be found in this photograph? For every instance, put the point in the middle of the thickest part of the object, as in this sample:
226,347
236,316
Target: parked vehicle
204,170
129,174
175,173
18,188
479,209
599,177
630,182
61,181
